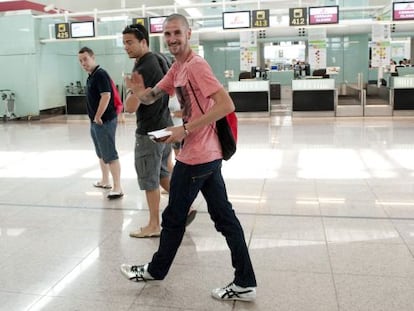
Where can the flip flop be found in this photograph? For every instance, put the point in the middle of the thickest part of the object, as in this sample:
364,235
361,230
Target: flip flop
98,184
114,195
142,235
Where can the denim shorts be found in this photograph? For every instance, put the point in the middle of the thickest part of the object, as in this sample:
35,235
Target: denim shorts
103,137
151,162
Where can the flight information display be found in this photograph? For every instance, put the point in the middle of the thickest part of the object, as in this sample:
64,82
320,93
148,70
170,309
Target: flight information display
403,11
82,29
156,24
324,15
236,20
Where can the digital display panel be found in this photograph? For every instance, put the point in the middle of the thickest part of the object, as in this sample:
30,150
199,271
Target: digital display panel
403,11
324,15
82,29
236,20
156,24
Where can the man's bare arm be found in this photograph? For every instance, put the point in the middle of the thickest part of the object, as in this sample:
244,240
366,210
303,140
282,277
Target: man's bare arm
146,96
151,95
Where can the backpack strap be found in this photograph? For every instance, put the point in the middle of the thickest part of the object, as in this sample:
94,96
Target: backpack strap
165,63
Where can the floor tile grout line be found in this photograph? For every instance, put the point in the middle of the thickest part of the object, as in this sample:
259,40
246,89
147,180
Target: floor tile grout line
330,262
403,239
332,275
205,212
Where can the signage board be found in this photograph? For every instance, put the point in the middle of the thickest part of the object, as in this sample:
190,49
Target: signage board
82,29
236,20
324,15
62,31
260,18
298,16
402,11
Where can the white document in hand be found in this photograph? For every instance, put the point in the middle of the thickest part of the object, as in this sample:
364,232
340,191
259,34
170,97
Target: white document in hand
159,134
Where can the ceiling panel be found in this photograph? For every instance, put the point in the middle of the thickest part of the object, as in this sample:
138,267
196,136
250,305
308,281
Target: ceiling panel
210,11
210,6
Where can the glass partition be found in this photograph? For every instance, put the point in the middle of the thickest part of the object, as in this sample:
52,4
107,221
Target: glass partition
283,55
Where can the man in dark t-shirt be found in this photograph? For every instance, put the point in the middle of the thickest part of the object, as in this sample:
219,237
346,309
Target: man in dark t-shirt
150,158
102,113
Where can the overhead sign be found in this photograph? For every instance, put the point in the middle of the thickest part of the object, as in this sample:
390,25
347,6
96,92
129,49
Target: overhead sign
298,16
260,18
140,20
236,19
62,31
324,15
82,29
156,24
402,11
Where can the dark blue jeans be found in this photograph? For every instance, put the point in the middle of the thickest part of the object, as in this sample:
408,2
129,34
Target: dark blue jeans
186,182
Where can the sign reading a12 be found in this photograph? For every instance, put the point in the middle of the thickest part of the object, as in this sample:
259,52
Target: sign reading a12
298,17
298,21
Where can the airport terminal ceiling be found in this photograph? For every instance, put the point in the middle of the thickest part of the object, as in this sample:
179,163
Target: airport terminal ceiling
356,16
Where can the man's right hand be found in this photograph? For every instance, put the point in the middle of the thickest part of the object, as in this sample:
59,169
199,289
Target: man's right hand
135,82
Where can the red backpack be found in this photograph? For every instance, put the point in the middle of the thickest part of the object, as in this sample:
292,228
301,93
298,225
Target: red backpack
232,121
119,106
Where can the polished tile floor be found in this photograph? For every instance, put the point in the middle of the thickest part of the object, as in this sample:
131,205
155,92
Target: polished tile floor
327,206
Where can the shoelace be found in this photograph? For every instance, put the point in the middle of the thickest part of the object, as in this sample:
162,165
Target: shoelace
139,273
230,293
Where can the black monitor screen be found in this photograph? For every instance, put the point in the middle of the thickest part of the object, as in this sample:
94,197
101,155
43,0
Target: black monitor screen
82,29
307,70
319,72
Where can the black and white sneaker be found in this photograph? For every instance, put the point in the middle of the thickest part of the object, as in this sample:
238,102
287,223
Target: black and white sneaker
136,273
234,292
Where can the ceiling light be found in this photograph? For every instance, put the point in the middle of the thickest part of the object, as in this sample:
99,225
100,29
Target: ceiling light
113,18
193,12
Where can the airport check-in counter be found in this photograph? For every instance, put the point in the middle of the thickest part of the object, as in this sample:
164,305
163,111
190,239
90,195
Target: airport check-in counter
251,96
401,95
76,104
314,97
